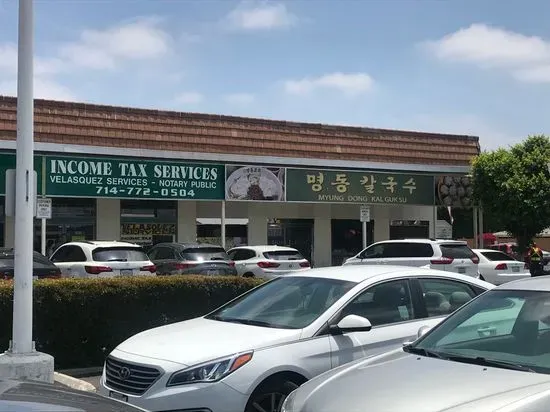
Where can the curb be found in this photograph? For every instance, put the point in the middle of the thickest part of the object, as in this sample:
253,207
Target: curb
83,372
73,382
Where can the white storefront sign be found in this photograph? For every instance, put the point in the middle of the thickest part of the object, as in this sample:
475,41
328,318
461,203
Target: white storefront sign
365,213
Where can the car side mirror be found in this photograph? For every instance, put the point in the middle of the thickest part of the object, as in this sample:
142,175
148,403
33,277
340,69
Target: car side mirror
351,323
422,331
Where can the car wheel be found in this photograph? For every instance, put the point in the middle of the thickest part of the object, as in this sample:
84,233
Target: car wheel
269,397
248,275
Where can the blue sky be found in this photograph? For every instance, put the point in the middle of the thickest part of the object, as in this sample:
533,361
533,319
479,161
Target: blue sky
464,66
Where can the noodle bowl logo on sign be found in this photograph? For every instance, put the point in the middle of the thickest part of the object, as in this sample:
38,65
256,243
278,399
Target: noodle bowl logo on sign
255,183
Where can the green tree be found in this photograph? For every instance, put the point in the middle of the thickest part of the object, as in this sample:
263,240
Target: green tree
513,186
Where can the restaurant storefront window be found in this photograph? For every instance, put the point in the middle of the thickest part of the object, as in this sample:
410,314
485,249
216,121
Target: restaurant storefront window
147,222
72,220
2,221
296,233
347,238
403,229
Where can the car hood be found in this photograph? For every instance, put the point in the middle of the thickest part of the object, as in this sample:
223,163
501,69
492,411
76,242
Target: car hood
401,382
199,340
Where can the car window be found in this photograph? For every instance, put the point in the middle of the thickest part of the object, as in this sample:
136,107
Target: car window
442,296
456,251
69,253
291,302
41,262
283,255
241,254
120,254
6,262
508,326
383,304
205,253
496,256
374,251
162,252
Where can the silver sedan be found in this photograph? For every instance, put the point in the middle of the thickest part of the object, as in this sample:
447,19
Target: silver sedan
493,354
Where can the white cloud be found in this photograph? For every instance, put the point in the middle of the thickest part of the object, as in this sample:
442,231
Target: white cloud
105,49
350,84
189,98
527,58
260,15
240,98
43,89
94,50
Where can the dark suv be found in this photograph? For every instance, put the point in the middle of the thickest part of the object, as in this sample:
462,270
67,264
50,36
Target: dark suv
191,258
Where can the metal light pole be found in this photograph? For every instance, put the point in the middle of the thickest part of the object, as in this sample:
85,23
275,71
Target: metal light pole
21,361
24,183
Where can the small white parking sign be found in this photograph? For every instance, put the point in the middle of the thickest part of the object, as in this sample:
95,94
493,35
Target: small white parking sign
43,208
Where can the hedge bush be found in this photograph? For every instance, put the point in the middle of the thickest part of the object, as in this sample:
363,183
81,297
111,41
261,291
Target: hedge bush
79,321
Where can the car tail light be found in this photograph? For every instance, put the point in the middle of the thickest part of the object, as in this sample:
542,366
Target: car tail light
442,261
148,268
231,263
304,264
501,266
96,270
183,266
267,265
475,259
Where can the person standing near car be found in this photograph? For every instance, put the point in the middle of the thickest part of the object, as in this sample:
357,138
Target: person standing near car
535,260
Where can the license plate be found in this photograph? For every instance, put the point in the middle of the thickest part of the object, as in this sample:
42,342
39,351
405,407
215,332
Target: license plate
118,396
212,272
461,270
515,268
126,272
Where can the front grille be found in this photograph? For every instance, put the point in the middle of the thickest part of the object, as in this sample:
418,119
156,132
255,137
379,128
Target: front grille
128,377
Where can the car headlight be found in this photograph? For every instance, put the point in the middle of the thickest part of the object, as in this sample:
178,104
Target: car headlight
288,404
211,371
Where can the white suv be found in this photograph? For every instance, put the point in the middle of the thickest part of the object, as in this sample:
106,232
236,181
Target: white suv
267,261
102,259
448,255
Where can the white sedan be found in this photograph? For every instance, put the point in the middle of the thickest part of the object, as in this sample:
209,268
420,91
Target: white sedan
497,267
249,354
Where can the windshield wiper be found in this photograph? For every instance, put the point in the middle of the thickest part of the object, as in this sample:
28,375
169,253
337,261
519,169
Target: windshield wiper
117,260
423,352
243,321
480,360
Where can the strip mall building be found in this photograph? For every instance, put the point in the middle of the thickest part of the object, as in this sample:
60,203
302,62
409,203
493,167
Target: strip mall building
146,176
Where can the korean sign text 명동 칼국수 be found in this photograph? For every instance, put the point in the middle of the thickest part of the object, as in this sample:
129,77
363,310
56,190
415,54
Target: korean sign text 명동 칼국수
358,187
133,178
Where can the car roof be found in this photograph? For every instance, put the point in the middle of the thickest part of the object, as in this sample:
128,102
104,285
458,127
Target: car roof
8,252
487,250
265,248
102,243
539,283
424,240
188,245
361,273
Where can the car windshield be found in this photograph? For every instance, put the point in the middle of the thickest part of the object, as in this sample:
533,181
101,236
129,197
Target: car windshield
497,256
205,253
121,254
289,302
501,328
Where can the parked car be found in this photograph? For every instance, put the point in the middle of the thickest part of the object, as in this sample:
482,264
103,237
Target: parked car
497,267
250,353
191,258
267,261
102,259
510,248
42,267
448,255
493,354
31,396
